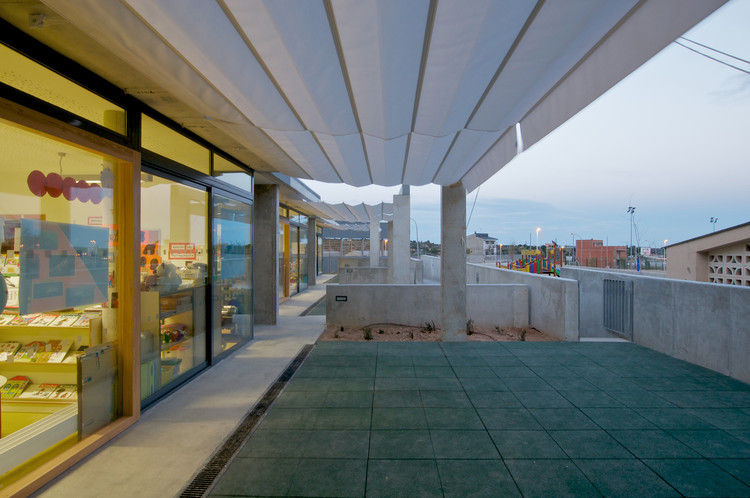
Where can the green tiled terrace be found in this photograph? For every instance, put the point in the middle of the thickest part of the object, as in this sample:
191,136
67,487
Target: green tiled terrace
497,419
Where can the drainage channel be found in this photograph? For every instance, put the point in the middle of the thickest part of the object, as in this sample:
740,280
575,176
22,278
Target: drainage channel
206,477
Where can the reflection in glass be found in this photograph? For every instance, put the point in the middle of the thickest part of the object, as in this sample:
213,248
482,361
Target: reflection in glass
232,237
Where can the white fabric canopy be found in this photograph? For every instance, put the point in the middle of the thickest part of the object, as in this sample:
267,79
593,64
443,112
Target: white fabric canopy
381,92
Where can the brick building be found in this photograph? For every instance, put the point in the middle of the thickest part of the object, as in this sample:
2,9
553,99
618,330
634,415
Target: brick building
594,253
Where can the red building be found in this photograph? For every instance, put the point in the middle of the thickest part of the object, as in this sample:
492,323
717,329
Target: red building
594,253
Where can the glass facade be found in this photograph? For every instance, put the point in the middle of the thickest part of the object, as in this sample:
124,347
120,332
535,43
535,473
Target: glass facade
232,269
174,276
62,267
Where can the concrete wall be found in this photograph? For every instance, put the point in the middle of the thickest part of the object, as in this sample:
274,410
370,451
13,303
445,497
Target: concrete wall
265,241
354,270
487,305
553,301
705,324
431,268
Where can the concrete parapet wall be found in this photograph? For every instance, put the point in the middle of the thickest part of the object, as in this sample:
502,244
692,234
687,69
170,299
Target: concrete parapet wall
363,275
553,301
705,324
487,305
431,268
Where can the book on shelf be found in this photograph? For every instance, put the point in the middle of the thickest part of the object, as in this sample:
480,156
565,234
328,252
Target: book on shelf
85,319
43,320
65,320
39,391
23,319
8,349
14,387
6,318
54,351
28,352
65,392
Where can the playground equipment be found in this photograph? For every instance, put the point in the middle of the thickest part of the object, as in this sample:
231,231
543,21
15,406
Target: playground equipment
532,261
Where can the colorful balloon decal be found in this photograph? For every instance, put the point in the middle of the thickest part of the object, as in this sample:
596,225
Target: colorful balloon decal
70,188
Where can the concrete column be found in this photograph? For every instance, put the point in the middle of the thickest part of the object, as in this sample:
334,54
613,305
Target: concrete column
453,262
312,250
374,243
265,254
389,252
400,236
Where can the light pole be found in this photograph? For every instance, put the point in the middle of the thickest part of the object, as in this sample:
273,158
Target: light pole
713,222
575,249
631,210
664,253
537,238
416,227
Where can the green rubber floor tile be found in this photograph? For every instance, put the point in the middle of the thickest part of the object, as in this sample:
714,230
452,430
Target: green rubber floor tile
694,477
275,444
343,418
412,478
289,418
396,384
359,371
400,372
445,399
738,467
398,418
713,443
483,384
308,384
589,444
493,399
640,398
513,371
653,444
542,399
618,418
439,372
306,371
324,477
743,434
674,418
430,361
337,444
394,361
625,478
508,419
473,372
502,361
463,444
562,418
724,418
453,418
403,444
348,399
526,444
355,384
591,399
571,383
400,399
300,399
439,384
257,477
546,478
476,478
527,384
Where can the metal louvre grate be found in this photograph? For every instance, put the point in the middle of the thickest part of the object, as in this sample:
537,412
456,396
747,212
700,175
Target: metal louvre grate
617,298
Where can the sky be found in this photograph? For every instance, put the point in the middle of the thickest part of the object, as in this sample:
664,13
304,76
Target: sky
671,140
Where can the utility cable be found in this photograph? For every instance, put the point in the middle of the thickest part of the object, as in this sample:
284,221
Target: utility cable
713,58
472,208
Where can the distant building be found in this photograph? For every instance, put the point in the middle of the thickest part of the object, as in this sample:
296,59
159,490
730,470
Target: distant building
721,257
595,254
480,248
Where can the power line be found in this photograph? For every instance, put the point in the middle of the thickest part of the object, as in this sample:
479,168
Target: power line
715,50
714,58
472,208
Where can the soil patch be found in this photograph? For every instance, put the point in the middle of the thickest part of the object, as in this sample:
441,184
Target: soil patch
391,332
